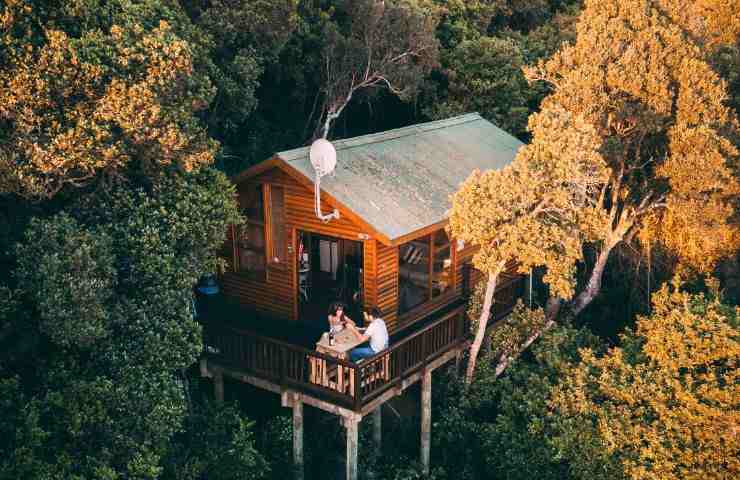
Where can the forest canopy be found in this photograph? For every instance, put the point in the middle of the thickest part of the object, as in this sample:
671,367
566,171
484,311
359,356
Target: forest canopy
122,120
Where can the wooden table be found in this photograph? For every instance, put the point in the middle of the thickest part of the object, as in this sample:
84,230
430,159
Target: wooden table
324,374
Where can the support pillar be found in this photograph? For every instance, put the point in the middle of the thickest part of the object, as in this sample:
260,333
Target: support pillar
218,386
458,363
378,428
351,424
297,438
426,419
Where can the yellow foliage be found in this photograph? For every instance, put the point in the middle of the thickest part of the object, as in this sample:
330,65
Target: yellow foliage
671,410
634,141
78,108
536,210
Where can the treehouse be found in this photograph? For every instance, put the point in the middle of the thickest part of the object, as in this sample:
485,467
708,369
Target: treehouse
388,249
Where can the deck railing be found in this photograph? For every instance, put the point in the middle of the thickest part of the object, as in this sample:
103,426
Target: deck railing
328,378
339,381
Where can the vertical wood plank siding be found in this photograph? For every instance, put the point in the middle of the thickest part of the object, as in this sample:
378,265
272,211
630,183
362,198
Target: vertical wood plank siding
279,294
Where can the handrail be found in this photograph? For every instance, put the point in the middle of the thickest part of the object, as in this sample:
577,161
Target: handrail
298,348
349,384
412,336
281,361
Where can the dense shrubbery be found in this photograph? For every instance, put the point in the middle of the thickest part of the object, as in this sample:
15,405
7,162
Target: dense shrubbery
111,116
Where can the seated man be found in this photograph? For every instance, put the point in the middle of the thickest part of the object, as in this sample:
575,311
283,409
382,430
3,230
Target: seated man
376,332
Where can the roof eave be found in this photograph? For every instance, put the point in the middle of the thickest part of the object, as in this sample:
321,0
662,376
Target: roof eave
277,162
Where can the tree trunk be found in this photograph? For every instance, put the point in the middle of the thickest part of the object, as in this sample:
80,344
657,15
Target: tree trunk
482,322
551,312
594,283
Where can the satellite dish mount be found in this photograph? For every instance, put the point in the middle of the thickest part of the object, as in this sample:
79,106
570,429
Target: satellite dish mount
323,157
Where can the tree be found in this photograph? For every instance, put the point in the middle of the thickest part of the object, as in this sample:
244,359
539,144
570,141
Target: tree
379,44
467,20
628,148
498,427
105,297
485,75
663,404
532,212
90,92
665,133
217,443
242,38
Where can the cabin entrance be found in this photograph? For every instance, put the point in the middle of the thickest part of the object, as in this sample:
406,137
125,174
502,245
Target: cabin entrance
329,270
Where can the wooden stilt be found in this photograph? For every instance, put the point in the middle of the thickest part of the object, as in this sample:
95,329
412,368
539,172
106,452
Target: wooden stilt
426,419
351,424
218,386
377,429
458,362
297,438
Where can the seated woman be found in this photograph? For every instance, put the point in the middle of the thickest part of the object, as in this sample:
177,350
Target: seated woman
337,319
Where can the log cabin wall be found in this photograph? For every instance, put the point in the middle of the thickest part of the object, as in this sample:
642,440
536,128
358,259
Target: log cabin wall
278,295
465,256
386,278
369,267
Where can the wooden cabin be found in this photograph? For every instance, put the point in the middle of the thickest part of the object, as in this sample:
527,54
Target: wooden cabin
388,248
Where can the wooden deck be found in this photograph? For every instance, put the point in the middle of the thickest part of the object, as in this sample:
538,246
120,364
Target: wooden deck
292,367
280,356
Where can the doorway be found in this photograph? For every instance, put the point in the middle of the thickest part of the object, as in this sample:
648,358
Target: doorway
329,270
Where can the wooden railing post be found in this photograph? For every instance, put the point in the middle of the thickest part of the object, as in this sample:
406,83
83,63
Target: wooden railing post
283,358
358,386
466,280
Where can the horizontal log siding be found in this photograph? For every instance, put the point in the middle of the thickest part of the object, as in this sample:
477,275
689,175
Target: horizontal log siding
387,284
465,256
279,294
369,266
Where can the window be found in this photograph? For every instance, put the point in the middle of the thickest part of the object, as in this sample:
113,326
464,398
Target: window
424,270
442,264
277,225
250,237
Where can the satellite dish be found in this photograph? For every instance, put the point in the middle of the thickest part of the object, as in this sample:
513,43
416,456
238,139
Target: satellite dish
323,156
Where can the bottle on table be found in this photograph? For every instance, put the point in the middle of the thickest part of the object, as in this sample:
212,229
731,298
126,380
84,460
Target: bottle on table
331,338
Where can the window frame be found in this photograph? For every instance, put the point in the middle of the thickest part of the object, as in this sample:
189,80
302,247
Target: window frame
281,263
431,299
257,275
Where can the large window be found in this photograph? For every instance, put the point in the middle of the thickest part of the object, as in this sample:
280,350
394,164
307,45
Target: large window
424,270
262,238
250,237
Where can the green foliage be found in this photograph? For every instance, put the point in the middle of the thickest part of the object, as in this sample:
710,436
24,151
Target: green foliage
70,276
108,294
217,443
276,444
243,37
498,428
485,75
512,332
487,44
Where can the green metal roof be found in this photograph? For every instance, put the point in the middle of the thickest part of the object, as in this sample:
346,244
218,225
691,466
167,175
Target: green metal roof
400,181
